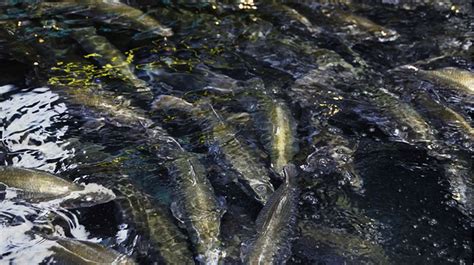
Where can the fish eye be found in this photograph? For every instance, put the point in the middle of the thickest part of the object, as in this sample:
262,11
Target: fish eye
260,188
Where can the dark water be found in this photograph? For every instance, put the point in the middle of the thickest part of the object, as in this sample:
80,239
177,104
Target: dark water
355,104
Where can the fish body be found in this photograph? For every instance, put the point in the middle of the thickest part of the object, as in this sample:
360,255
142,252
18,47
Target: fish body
153,223
275,224
201,211
69,251
110,12
409,119
448,116
362,23
132,16
37,185
252,175
458,79
109,56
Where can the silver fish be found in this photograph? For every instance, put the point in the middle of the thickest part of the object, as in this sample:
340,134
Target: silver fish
275,224
112,12
455,78
201,211
448,116
38,186
140,211
108,56
70,251
364,24
282,142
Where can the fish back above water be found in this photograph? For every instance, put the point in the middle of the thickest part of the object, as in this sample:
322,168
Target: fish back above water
201,211
36,185
109,56
452,77
275,224
70,251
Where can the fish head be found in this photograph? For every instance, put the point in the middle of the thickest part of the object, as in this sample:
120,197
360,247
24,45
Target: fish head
262,190
91,195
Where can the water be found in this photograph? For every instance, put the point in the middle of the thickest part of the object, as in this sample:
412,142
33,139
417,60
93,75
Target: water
386,165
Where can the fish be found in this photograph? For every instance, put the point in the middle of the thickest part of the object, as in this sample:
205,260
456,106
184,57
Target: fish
343,243
110,12
200,209
71,251
421,132
152,222
252,175
275,224
454,78
448,116
282,142
37,186
110,57
285,14
383,34
412,127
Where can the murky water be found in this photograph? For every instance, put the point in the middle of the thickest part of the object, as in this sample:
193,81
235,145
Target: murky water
353,93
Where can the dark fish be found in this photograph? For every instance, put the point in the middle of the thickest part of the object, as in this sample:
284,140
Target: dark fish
201,211
112,12
334,152
110,57
455,78
70,251
252,175
275,224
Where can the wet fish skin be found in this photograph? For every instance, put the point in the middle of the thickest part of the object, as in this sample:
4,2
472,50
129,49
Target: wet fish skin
283,142
109,56
114,12
456,78
70,251
152,222
202,213
105,103
252,175
365,24
37,185
406,115
447,115
275,223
